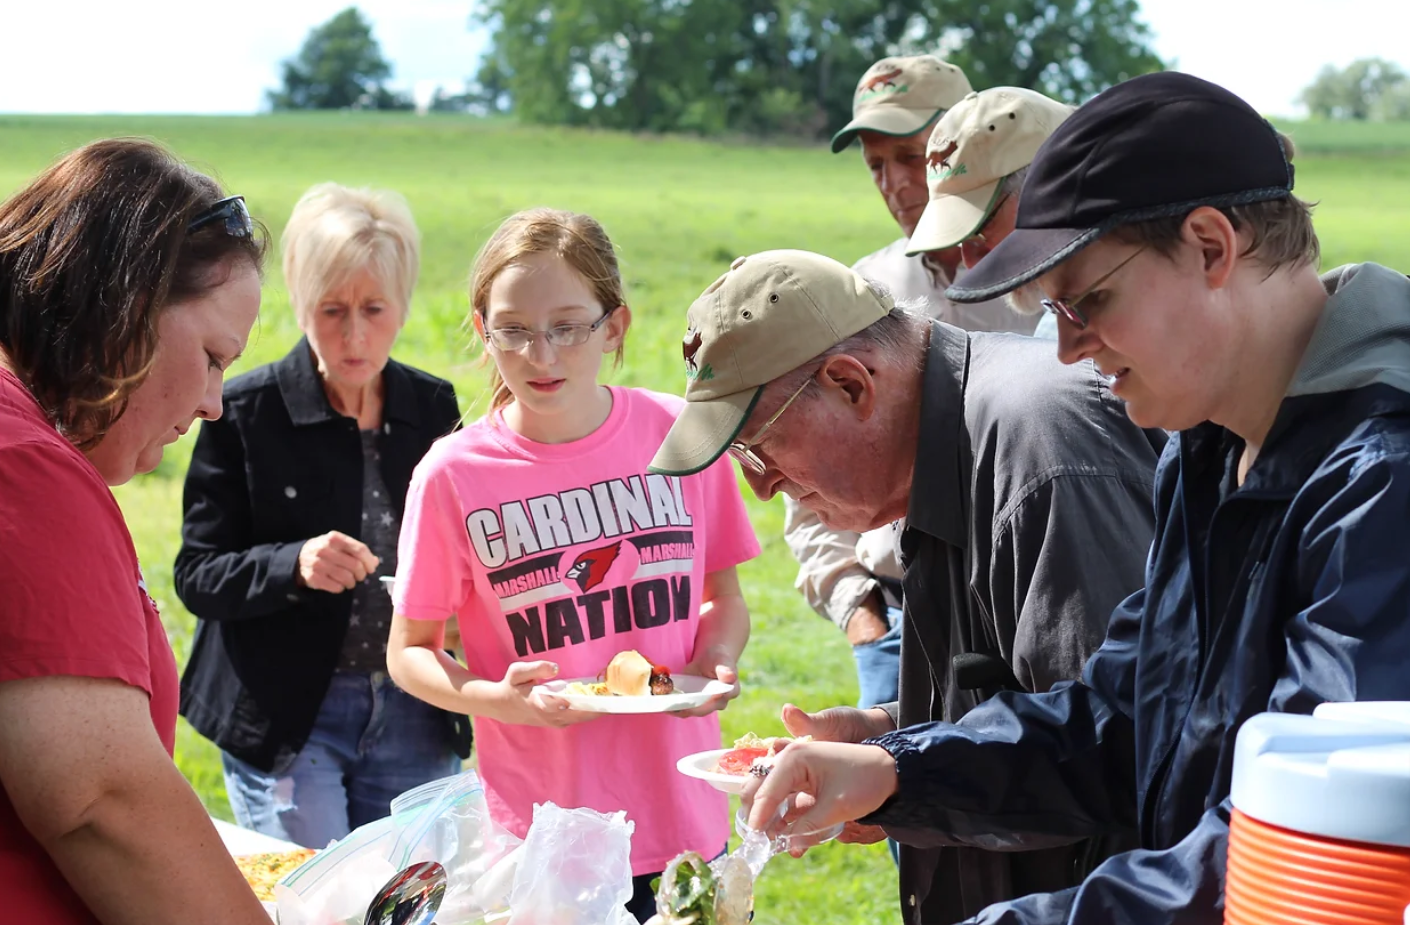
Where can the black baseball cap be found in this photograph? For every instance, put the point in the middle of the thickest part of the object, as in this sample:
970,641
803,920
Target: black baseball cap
1155,146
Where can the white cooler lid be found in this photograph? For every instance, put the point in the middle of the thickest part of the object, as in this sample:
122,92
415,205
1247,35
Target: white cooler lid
1342,773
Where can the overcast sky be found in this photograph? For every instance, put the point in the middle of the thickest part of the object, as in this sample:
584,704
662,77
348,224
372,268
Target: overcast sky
180,56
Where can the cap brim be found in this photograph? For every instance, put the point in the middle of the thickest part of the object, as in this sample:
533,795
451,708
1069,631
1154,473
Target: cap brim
885,120
948,220
703,432
1020,258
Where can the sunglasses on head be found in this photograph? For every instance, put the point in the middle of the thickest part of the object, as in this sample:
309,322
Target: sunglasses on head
232,212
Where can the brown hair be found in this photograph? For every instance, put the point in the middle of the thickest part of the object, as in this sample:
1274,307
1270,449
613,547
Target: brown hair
1280,230
91,252
575,238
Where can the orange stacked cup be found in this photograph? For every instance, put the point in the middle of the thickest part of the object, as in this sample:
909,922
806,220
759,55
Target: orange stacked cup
1321,826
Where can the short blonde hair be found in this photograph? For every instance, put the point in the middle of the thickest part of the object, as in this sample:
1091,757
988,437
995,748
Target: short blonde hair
336,230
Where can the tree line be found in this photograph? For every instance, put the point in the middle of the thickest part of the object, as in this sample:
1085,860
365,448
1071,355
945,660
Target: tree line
769,67
761,67
1366,89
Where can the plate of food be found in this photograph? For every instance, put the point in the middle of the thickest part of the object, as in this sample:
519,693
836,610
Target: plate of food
632,684
729,769
262,871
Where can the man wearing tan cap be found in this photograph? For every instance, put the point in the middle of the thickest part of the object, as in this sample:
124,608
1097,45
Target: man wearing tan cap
1027,520
896,103
976,161
854,579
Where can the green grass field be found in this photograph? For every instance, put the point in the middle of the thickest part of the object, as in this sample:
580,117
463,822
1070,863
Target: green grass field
679,211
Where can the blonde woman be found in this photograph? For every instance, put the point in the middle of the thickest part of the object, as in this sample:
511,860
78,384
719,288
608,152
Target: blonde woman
292,509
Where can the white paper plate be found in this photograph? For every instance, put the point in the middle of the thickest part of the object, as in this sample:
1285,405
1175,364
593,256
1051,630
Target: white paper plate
701,766
691,691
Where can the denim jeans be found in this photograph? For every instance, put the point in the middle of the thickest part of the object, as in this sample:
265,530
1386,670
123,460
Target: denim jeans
879,664
371,742
879,674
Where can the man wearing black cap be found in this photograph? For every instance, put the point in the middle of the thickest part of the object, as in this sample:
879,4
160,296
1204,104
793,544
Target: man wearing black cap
1160,222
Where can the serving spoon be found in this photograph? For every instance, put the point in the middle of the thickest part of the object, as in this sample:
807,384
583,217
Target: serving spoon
412,897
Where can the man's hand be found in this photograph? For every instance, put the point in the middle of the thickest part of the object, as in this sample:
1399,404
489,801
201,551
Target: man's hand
824,783
842,724
868,622
854,833
837,724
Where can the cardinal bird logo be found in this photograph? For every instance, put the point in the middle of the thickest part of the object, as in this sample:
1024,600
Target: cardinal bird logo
590,569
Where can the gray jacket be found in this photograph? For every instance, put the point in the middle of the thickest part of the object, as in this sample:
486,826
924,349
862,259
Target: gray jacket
837,569
1030,518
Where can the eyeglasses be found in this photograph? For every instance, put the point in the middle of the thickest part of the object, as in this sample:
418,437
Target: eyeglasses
568,334
744,452
230,210
1067,310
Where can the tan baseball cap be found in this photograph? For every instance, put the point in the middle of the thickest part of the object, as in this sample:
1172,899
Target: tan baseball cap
901,96
769,314
985,137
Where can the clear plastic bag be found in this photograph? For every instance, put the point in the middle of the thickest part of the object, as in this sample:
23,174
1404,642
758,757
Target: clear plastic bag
449,821
337,885
575,869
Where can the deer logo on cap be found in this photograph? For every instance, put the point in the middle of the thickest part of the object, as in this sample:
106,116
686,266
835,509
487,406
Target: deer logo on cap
884,82
938,163
690,346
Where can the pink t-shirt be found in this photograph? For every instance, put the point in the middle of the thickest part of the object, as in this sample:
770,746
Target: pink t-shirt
572,553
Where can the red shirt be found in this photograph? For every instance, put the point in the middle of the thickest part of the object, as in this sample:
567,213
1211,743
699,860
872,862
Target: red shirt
72,602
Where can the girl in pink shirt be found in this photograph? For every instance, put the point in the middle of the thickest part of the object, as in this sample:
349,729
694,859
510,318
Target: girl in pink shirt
539,527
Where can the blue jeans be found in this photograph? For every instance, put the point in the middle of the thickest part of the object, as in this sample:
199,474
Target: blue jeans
371,742
879,665
879,674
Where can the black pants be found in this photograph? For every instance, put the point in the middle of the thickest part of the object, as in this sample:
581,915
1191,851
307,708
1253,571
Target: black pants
642,905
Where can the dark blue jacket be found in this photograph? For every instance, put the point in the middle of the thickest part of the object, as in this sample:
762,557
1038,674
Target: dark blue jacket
1282,593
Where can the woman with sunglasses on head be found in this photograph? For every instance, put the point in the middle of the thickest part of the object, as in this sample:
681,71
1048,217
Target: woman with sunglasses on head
128,285
293,503
539,526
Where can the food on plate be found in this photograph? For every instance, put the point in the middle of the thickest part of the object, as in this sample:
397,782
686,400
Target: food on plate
753,755
629,674
263,871
595,689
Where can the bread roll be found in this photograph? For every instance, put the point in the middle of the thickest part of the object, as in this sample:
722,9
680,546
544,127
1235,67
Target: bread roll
629,675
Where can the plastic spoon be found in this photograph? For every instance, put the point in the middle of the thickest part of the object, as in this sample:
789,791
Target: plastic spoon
412,897
755,847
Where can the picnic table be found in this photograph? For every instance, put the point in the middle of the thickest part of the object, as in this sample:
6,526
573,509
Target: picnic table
240,841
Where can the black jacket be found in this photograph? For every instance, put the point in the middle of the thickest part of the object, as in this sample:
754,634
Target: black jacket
1279,594
277,469
1029,520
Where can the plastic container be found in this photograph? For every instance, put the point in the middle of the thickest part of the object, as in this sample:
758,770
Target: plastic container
1321,826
